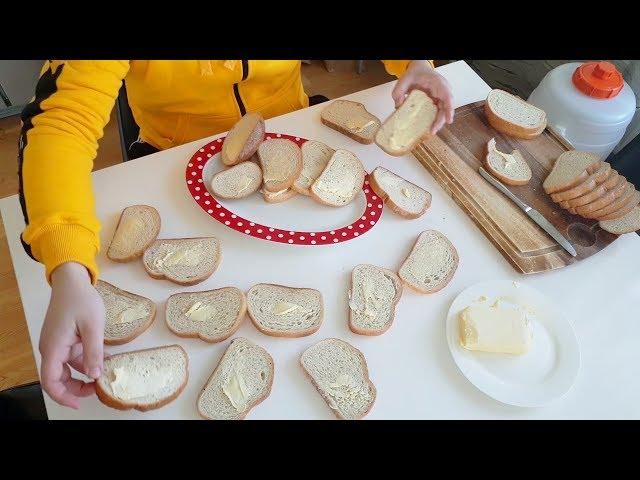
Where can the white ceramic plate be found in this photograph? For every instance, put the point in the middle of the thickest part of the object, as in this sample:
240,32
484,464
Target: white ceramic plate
534,379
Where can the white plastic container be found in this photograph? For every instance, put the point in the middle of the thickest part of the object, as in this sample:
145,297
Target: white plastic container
589,104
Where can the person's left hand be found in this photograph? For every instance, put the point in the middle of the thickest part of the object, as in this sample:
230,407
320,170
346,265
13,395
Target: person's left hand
420,75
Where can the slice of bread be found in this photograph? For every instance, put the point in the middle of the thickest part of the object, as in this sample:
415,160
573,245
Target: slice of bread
408,125
606,199
143,379
243,139
282,311
431,264
613,182
511,169
404,198
351,119
626,224
373,297
138,227
340,181
570,169
239,181
127,315
513,116
185,261
278,197
622,201
212,315
242,380
591,182
281,162
625,207
315,156
339,372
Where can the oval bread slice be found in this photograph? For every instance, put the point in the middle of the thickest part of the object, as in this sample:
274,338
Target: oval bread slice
570,169
431,264
143,379
239,181
339,372
281,162
340,181
511,169
315,156
243,139
138,227
282,311
241,380
627,224
513,116
212,315
127,315
351,119
405,198
589,184
185,261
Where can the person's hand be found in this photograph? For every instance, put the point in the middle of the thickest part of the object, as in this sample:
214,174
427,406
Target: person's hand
420,75
72,335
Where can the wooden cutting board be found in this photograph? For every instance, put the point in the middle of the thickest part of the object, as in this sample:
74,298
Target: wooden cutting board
453,158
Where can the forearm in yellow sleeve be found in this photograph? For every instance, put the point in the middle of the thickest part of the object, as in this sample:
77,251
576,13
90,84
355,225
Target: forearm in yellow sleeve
398,67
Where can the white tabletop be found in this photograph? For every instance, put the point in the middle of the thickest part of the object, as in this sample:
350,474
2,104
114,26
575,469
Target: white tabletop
410,365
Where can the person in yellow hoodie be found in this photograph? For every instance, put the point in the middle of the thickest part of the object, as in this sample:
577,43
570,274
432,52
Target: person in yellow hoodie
173,102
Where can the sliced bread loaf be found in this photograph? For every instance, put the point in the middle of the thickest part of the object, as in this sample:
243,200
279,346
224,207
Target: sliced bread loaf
281,162
408,125
613,182
404,198
513,116
212,315
626,224
242,380
511,169
339,372
619,208
431,264
351,119
138,227
185,261
243,139
589,184
239,181
282,311
127,315
278,197
606,199
340,181
570,169
315,156
373,297
143,379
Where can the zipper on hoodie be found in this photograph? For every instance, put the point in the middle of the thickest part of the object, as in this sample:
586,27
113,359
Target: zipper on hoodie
236,91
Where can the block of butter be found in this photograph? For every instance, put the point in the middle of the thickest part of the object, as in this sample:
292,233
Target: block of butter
497,328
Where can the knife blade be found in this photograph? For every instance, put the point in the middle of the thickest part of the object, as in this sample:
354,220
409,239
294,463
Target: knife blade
531,212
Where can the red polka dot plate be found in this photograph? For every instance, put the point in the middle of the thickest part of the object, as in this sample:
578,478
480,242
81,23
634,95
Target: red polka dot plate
199,190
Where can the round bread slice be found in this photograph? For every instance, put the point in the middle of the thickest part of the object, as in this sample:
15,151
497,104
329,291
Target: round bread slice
243,139
241,380
431,264
513,116
315,156
511,169
143,379
185,261
570,169
281,162
614,181
138,227
590,183
606,199
278,197
633,201
627,224
373,297
403,197
340,181
239,181
339,372
282,311
351,119
127,315
212,315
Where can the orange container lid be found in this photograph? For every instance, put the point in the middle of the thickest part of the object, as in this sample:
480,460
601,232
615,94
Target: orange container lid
598,79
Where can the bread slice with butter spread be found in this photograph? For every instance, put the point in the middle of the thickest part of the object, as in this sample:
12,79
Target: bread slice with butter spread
351,119
282,311
241,381
340,181
239,181
127,315
510,168
138,227
278,197
405,198
315,156
281,163
185,261
212,315
243,139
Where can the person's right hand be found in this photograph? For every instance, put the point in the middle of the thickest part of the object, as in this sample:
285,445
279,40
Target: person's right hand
72,335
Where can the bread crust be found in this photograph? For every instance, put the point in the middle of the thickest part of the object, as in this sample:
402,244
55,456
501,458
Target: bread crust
611,184
255,138
584,175
292,333
112,402
270,186
509,128
349,133
386,198
232,330
622,211
366,371
137,253
590,184
370,331
621,202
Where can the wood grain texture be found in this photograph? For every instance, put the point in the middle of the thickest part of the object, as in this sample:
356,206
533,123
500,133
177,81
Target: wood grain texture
453,158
